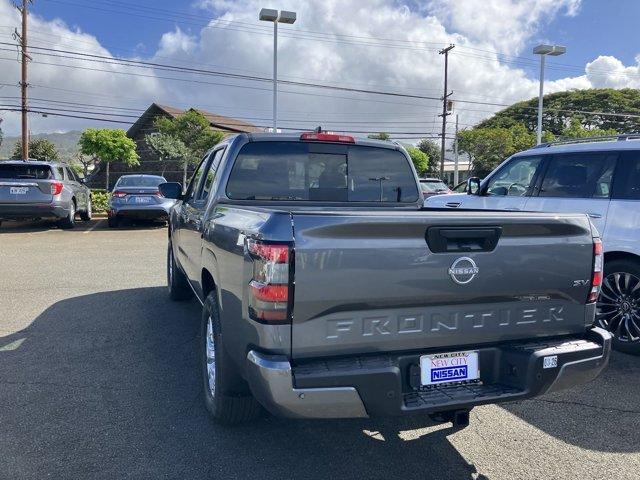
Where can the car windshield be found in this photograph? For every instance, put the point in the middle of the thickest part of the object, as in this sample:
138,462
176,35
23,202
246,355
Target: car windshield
321,172
140,181
433,186
14,172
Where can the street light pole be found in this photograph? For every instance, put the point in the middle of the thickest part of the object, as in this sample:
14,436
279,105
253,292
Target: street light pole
540,99
275,77
275,16
543,51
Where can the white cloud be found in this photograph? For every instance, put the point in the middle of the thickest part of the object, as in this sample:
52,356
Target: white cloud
346,52
176,42
65,84
505,24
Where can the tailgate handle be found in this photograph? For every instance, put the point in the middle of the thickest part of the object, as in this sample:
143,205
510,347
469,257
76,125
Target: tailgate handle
462,239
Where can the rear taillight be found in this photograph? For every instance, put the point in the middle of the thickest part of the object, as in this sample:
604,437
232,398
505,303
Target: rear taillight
327,137
269,287
119,194
598,262
158,194
56,188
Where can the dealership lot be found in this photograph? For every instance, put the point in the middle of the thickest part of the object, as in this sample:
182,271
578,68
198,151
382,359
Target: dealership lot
99,377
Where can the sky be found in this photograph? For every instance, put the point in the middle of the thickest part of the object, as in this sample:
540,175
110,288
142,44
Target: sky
381,45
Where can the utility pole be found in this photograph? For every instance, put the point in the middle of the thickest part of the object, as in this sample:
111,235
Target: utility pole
22,38
456,170
445,96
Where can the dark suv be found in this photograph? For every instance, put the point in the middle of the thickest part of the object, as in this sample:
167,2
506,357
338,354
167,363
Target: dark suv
37,189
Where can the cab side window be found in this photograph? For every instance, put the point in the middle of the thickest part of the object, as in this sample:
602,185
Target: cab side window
515,178
627,183
211,174
579,175
194,184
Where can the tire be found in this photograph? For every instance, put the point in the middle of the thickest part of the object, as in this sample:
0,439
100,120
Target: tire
177,282
70,220
86,215
619,304
113,222
227,396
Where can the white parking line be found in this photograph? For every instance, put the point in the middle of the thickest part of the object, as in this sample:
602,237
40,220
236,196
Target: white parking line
94,227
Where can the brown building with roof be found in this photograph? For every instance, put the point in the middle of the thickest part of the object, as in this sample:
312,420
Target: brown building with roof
149,162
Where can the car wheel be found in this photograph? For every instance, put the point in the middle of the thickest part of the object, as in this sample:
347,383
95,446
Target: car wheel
113,222
227,396
618,307
88,213
70,220
177,282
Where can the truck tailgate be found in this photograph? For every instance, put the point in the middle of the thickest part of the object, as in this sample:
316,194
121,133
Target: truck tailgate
377,281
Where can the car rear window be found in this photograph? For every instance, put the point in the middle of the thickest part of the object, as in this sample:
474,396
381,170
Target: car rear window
140,181
433,187
15,172
298,171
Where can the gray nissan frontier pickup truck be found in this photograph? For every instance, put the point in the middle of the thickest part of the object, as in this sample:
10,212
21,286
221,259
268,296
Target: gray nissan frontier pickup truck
328,292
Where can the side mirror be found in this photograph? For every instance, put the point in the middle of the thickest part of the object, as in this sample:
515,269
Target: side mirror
83,181
473,186
171,190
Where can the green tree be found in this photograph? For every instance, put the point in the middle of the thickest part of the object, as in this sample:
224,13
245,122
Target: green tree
432,150
83,164
194,131
562,107
420,159
488,147
168,148
39,149
108,145
379,136
576,130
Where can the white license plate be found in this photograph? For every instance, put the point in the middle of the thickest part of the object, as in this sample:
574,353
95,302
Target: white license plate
142,200
18,190
449,367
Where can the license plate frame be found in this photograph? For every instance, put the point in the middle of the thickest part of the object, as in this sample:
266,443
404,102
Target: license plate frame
18,190
449,367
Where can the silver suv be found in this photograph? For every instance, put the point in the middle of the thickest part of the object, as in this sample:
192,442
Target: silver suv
36,189
599,177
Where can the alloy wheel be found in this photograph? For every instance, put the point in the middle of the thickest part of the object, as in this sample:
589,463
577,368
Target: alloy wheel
619,306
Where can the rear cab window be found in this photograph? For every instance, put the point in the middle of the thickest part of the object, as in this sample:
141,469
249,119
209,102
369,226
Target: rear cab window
299,171
22,172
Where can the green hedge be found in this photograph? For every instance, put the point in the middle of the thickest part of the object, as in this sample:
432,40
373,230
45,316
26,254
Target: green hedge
100,200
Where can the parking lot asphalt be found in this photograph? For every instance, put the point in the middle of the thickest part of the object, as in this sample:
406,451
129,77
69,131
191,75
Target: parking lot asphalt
99,379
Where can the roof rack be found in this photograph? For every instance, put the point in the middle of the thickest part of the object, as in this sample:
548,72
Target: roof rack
602,138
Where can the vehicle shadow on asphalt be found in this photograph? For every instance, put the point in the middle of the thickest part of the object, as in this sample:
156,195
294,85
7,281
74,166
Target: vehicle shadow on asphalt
108,385
603,415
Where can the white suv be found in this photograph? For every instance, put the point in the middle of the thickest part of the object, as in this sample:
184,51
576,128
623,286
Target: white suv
599,177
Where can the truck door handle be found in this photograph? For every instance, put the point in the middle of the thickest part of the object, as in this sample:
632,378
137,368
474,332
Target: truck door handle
452,204
594,215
